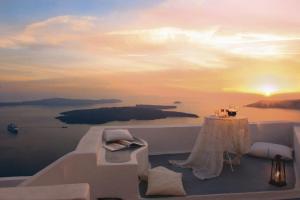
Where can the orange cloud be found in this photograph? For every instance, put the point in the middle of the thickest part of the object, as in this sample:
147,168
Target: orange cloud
53,31
174,48
272,15
83,34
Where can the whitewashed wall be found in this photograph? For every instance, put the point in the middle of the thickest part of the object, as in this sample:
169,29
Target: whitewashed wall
180,139
85,165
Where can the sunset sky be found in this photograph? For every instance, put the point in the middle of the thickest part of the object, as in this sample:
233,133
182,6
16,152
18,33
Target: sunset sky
112,48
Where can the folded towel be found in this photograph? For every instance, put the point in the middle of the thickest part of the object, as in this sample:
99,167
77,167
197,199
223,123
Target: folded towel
112,135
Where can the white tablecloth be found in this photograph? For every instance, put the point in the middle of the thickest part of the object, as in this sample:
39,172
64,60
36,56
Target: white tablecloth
217,135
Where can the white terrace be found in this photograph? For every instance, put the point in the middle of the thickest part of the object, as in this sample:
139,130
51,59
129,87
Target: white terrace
91,172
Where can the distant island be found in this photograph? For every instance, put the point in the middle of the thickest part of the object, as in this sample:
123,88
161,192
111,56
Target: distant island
156,106
104,115
283,104
60,102
177,102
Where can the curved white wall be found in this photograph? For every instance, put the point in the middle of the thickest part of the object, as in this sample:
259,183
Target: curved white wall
84,166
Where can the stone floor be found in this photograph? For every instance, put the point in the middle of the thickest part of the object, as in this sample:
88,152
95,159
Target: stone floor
251,176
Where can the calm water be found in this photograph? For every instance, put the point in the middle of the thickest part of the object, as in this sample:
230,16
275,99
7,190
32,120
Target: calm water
41,139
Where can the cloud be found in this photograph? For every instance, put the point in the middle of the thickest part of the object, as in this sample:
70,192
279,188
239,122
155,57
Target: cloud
72,42
245,44
274,15
87,34
53,31
180,13
173,46
143,49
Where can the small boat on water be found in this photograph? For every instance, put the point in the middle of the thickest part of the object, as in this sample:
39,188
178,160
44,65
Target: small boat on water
12,128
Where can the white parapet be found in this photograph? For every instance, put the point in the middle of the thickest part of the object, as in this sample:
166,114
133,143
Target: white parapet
87,164
12,181
53,192
296,147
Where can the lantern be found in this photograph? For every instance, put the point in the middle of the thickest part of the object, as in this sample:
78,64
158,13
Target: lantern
278,176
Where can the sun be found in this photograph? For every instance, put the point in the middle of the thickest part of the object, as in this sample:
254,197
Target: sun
268,90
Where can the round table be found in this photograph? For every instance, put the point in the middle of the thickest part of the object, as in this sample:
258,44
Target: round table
233,131
217,135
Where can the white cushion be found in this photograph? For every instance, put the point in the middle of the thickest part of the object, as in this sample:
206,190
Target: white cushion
117,134
162,181
270,150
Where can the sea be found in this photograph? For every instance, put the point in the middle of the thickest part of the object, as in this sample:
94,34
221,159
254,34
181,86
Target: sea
42,139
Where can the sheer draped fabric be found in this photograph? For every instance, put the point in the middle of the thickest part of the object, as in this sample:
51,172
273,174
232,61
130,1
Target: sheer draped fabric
216,136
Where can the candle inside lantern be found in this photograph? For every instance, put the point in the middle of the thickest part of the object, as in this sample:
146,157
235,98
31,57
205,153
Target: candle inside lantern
278,176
